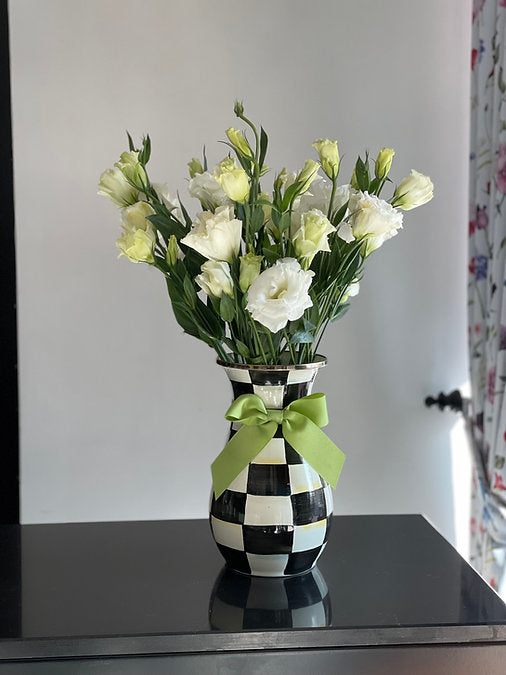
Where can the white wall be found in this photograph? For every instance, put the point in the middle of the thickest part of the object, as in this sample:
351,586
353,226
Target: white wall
121,414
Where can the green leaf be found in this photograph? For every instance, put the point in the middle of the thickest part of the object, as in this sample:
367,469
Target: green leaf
174,293
243,161
165,222
301,337
131,145
284,222
374,185
340,311
190,293
308,325
362,173
212,318
339,214
186,217
227,308
185,320
270,255
263,202
263,146
237,347
230,344
313,313
257,219
290,193
145,153
351,271
192,261
242,349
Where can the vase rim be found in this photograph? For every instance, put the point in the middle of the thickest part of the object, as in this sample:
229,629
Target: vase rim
319,362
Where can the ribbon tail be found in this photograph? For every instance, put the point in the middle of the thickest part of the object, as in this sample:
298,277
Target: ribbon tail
241,449
316,448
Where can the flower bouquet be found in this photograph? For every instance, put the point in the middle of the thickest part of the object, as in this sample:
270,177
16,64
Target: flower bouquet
258,276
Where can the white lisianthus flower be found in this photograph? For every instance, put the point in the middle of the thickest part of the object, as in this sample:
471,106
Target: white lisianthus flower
415,190
205,188
216,236
114,185
280,294
137,246
138,240
215,279
370,218
134,217
310,234
353,289
318,197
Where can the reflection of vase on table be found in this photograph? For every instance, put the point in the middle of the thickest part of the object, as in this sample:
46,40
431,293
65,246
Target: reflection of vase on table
242,602
273,519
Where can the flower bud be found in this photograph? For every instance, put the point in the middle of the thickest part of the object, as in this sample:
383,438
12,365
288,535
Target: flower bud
308,174
329,156
353,180
415,190
233,180
172,251
383,162
239,142
281,179
238,108
132,169
215,279
195,167
267,209
249,270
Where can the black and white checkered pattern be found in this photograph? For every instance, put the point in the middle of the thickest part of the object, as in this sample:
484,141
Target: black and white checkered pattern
274,518
245,602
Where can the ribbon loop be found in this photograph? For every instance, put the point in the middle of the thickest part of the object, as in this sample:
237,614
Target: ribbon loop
301,423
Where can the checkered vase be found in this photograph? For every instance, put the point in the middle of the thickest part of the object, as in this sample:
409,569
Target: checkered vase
274,518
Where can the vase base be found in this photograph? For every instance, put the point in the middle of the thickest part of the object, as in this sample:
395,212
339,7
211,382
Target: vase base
274,566
273,575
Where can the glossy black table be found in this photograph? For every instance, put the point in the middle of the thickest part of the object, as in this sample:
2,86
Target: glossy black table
389,595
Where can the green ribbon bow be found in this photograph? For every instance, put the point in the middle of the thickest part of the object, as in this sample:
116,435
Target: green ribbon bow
300,421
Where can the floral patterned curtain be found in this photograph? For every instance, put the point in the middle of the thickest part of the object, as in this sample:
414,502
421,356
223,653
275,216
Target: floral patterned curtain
487,295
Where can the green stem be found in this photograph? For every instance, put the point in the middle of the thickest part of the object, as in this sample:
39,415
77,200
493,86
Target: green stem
220,351
259,343
332,194
271,345
290,346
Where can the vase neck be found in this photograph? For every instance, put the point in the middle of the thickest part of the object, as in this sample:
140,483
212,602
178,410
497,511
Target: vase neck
277,388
